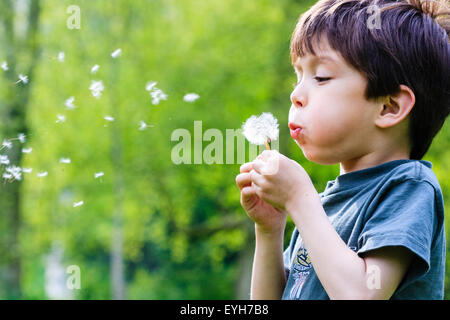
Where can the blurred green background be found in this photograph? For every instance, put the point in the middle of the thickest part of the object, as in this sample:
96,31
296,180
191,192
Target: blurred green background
148,228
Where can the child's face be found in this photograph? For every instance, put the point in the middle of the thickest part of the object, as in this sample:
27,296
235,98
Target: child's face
337,121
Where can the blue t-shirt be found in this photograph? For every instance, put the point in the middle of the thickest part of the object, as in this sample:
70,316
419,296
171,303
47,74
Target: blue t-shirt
398,203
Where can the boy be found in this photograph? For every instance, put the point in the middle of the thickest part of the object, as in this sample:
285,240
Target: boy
371,99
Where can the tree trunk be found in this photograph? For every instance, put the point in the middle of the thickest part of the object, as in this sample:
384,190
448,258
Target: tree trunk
13,114
245,263
117,259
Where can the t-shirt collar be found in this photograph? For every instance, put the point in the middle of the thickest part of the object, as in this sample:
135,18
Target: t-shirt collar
359,177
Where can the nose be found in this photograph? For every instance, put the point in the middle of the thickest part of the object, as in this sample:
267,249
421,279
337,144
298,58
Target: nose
298,99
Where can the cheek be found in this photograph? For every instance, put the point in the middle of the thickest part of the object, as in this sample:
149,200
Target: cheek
326,126
335,123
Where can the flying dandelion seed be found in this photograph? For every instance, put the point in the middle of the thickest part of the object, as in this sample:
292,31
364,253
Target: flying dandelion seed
4,159
7,176
95,68
23,79
61,118
4,66
157,95
261,130
27,170
21,137
27,150
149,86
143,125
98,174
42,174
96,88
69,103
191,97
61,56
15,172
77,204
7,144
108,118
116,53
64,160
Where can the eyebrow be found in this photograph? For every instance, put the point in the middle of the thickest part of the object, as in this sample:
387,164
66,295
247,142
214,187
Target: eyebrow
319,59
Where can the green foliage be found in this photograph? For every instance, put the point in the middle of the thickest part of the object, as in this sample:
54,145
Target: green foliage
172,215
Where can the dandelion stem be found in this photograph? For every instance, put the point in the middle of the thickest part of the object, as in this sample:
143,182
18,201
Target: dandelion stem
267,144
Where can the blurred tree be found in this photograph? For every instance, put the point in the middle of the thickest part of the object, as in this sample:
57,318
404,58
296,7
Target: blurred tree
19,22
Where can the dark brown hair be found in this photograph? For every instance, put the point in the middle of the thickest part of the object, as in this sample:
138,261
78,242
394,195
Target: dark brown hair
410,46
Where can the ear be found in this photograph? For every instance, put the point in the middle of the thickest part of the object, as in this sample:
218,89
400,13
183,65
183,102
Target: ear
396,108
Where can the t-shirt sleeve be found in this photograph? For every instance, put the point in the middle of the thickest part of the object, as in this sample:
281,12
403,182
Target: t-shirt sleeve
403,215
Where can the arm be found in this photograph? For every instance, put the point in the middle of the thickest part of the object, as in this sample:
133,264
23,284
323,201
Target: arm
268,275
343,274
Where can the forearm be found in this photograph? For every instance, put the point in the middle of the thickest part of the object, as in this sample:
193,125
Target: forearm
268,275
340,270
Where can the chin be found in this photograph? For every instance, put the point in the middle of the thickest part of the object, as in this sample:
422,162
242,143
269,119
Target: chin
318,157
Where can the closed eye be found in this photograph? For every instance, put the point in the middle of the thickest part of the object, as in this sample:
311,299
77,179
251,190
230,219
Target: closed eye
320,79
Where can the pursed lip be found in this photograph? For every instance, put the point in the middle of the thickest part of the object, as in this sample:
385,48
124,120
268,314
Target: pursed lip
294,126
295,130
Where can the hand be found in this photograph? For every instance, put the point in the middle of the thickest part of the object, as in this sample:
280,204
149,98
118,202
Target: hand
280,181
267,218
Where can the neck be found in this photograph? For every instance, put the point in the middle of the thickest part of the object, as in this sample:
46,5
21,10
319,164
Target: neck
371,160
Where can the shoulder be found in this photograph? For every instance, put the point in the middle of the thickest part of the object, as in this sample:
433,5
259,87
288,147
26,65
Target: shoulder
411,189
417,172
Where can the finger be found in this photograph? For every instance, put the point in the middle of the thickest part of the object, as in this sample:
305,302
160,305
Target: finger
248,196
243,179
256,178
258,165
246,167
248,192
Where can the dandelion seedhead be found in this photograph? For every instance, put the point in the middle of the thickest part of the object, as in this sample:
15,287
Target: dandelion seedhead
262,129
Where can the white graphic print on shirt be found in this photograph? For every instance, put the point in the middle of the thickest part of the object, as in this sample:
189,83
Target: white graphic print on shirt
300,271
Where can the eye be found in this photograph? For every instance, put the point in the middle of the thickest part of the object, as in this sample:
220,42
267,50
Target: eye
321,79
